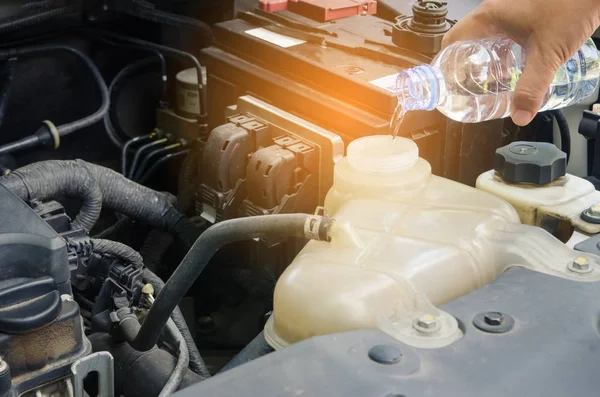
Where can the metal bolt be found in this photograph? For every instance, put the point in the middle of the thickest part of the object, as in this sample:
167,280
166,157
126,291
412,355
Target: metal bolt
580,265
494,319
494,322
427,323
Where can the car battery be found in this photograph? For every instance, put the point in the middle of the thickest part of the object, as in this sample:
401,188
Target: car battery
338,74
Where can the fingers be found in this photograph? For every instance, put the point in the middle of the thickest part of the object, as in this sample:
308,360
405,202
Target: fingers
534,83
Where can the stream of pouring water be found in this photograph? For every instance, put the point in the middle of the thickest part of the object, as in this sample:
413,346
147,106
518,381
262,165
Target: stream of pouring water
396,121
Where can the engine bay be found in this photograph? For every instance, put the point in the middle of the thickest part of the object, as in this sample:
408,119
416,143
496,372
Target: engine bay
203,198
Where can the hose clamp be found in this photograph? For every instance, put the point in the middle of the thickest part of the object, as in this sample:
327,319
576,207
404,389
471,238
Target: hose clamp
317,227
311,227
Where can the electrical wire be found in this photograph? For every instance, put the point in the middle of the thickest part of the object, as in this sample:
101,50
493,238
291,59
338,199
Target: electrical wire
140,171
127,146
183,360
160,162
140,151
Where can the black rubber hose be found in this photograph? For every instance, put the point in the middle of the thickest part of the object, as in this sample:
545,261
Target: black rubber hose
48,134
151,156
125,73
128,145
117,250
169,51
160,162
19,22
52,180
196,362
26,143
141,150
565,132
288,225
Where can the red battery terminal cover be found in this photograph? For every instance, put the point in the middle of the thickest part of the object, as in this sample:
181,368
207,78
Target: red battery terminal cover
322,10
328,10
273,5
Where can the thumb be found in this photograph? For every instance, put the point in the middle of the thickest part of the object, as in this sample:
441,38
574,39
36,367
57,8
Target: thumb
534,84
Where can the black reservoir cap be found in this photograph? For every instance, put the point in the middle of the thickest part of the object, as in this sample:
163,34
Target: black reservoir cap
530,162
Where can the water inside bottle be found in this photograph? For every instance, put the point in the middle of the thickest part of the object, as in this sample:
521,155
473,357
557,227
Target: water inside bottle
396,121
474,81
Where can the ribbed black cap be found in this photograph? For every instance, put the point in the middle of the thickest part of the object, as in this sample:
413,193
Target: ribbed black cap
530,162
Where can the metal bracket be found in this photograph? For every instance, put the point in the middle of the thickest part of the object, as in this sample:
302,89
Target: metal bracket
101,363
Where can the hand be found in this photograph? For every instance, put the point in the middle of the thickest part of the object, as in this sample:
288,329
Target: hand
551,31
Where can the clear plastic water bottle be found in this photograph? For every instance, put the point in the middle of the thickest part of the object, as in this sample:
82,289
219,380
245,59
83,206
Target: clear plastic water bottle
473,81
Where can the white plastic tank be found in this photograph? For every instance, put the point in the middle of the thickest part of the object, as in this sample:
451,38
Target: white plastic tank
404,243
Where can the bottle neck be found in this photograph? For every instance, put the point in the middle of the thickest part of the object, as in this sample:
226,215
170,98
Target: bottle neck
419,88
382,154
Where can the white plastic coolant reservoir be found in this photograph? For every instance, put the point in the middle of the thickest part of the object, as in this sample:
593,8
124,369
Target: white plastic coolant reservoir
403,243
